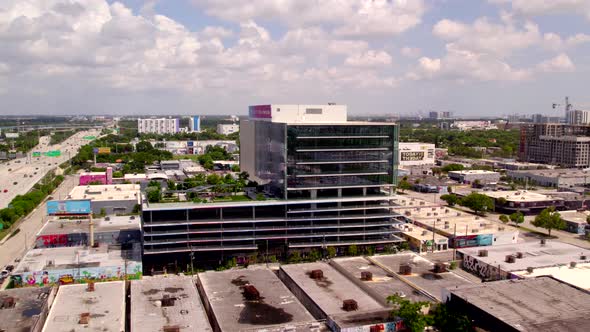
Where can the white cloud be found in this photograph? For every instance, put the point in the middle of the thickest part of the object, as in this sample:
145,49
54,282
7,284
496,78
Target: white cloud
560,63
548,7
410,52
370,58
348,17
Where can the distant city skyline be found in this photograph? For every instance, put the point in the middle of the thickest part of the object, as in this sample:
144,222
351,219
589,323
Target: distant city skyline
212,57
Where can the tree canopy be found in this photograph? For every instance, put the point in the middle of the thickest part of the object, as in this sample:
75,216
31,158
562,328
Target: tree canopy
549,219
477,202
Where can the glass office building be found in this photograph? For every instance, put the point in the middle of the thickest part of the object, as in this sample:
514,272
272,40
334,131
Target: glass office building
327,184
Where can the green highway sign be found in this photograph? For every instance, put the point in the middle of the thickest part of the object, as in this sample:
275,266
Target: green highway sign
54,153
89,138
36,154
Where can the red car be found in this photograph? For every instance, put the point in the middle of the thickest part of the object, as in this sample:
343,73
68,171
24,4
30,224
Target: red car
5,190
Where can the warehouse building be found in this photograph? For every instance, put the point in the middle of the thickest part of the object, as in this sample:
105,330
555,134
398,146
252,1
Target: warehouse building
25,309
110,199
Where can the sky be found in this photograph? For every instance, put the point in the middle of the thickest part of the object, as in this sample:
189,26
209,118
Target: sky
476,58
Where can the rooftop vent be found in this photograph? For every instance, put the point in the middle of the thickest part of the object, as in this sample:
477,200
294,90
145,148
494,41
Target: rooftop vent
510,259
440,267
530,269
519,255
174,328
482,253
90,287
84,318
168,301
7,302
316,274
405,269
251,293
424,232
572,265
543,242
582,257
349,305
366,276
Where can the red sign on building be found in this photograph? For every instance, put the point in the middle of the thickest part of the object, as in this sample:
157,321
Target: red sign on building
260,111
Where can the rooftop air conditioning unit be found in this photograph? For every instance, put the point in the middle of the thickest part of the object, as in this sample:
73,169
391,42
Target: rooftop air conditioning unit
510,259
482,253
519,254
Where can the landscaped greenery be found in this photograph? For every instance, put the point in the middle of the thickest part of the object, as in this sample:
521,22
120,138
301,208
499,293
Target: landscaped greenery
549,219
478,203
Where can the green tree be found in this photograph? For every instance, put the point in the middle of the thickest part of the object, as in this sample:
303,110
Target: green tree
331,252
411,313
448,319
517,218
171,185
404,185
144,146
451,199
154,195
453,167
477,202
294,257
352,250
504,218
549,219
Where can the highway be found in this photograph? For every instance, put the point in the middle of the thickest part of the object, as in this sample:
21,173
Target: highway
18,176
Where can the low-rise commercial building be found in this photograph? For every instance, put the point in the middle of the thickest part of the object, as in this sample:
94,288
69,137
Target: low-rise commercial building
226,129
111,230
577,275
471,176
110,199
524,201
557,178
422,239
332,297
105,177
25,309
66,265
576,221
161,304
498,262
252,299
88,307
536,304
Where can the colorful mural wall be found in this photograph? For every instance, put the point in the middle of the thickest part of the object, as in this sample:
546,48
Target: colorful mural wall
78,275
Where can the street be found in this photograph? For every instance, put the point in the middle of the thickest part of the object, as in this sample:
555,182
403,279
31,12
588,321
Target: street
16,246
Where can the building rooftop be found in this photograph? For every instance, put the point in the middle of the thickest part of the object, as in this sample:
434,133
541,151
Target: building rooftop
536,304
276,310
72,258
473,171
420,233
578,275
445,220
382,285
535,255
519,196
104,308
330,291
67,226
558,172
106,192
29,304
423,275
578,217
151,312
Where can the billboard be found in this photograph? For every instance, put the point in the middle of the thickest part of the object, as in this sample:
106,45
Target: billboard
11,135
412,156
260,111
71,207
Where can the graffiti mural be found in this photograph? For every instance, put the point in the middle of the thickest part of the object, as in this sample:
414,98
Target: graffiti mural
483,270
78,275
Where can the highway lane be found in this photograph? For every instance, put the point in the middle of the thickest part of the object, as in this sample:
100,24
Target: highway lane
18,176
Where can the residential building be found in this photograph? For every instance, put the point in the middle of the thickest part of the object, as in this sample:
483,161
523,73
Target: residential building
158,126
440,115
413,154
472,176
556,144
540,304
540,118
195,124
226,129
578,117
473,124
328,182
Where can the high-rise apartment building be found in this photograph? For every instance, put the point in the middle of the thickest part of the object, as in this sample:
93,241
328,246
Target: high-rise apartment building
578,117
556,144
438,115
328,182
158,126
195,124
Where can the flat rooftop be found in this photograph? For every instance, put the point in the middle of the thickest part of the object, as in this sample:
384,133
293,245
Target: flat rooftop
419,233
383,283
535,255
473,171
578,276
29,304
466,223
329,292
561,172
575,216
105,306
519,196
536,304
422,273
106,192
67,226
72,258
277,309
148,313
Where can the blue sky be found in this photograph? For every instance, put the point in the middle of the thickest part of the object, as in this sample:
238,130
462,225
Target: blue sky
473,57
